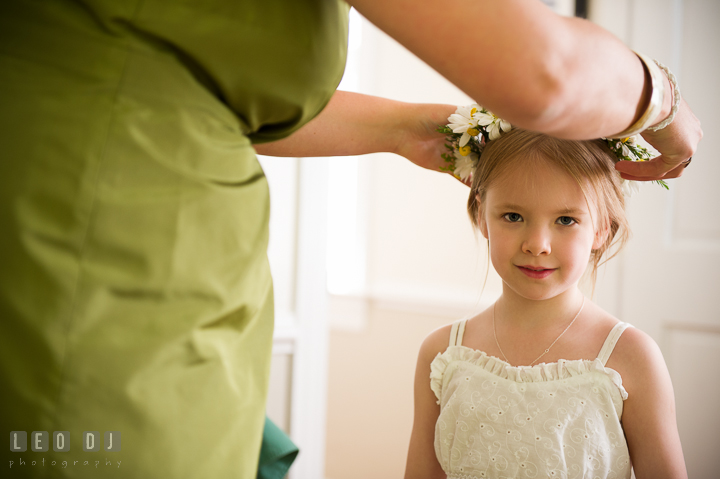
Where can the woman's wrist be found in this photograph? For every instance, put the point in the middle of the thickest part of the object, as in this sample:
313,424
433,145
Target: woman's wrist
654,102
672,100
667,103
417,122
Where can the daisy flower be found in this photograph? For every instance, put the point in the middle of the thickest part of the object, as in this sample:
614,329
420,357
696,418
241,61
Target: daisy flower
629,187
464,165
494,125
463,121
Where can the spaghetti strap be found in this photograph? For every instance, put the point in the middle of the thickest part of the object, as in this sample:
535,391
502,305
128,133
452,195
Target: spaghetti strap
456,332
461,332
453,333
611,340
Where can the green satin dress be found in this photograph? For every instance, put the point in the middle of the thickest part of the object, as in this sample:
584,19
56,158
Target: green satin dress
135,292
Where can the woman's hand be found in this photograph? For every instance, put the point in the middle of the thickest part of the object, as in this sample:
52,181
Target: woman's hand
676,143
419,140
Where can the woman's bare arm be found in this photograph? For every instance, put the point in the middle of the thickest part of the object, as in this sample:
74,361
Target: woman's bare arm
562,76
356,124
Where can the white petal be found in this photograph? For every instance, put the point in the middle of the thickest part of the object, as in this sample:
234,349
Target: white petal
494,131
464,111
464,166
505,125
483,118
455,118
464,138
625,188
630,187
458,128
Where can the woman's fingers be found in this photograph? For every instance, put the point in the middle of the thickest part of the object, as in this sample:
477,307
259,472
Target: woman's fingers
676,143
646,178
656,169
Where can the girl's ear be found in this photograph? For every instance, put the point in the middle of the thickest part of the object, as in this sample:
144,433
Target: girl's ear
601,235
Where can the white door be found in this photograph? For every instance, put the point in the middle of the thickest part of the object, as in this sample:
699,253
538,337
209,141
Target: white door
297,395
668,280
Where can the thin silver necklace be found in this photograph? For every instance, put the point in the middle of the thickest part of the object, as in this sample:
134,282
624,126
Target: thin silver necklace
548,348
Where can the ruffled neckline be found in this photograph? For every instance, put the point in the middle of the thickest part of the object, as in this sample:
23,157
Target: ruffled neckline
543,372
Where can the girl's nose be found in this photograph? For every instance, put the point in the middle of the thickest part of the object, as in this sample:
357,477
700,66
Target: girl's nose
537,242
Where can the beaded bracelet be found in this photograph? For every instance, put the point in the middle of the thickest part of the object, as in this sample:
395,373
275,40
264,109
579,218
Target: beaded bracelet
676,98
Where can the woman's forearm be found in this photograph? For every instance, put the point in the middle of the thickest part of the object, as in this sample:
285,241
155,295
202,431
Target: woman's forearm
357,124
563,76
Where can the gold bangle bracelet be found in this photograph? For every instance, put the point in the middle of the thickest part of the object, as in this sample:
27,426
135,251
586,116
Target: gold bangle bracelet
657,97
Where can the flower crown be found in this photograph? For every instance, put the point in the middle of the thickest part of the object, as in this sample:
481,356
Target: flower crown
471,127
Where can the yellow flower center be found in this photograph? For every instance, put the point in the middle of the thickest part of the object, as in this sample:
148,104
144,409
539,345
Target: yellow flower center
473,132
624,140
464,150
473,111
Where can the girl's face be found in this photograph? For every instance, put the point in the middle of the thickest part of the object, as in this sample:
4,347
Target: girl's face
540,229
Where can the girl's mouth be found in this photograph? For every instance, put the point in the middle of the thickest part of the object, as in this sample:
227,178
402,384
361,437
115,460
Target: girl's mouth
536,272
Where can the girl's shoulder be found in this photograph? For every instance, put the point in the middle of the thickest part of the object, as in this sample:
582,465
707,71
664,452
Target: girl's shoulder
637,357
634,352
439,340
436,342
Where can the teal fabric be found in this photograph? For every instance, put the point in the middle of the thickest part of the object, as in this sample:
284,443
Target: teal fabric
135,291
277,453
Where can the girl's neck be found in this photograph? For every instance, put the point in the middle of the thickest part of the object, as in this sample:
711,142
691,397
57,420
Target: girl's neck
529,314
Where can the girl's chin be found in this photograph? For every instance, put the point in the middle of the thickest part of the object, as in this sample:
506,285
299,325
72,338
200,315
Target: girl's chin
539,293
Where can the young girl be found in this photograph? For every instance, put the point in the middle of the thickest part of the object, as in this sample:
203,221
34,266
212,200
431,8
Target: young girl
544,383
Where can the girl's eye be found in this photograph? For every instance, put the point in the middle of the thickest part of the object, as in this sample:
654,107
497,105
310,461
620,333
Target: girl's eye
512,217
566,221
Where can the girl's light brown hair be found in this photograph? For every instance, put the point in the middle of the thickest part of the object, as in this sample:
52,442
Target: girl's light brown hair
590,163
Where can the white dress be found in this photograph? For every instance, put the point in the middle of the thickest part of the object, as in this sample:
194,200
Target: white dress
550,420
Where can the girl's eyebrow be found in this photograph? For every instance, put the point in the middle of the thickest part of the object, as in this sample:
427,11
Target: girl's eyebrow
509,206
566,211
570,211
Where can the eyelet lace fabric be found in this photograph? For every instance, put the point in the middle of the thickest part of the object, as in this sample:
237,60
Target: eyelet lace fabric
550,420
